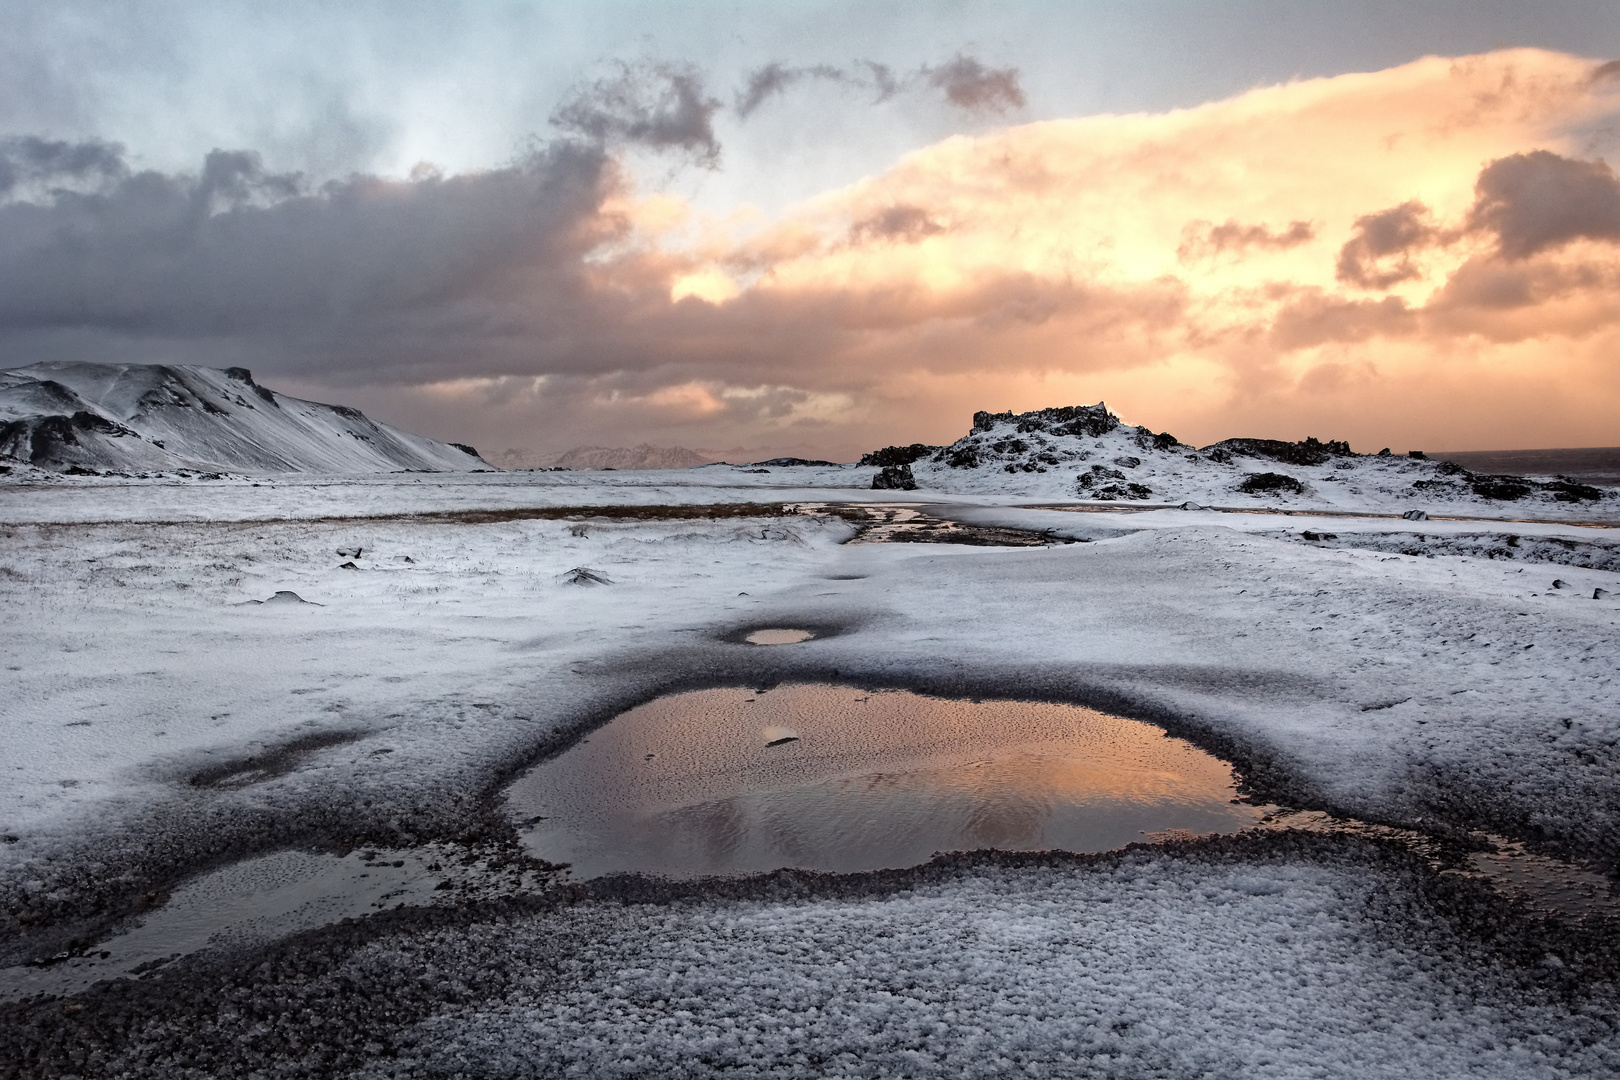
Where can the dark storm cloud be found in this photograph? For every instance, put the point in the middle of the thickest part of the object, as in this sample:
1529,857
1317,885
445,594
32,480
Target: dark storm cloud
1380,253
1204,239
965,82
659,105
350,279
1540,200
29,162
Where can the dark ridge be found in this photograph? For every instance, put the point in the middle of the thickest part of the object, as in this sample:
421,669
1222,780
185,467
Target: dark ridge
465,449
1310,451
899,455
39,439
1089,420
792,462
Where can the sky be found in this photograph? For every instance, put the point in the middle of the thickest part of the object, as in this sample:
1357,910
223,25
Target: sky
816,228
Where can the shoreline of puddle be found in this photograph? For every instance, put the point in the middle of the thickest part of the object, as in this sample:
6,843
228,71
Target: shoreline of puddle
269,897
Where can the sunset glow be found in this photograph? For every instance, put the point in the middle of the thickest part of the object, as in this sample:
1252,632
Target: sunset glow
1313,257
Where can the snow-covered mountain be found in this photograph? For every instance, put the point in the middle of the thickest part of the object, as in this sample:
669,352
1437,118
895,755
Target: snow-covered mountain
140,417
1086,452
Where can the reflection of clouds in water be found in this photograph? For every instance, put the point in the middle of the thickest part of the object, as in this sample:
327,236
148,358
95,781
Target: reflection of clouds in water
716,829
1005,820
881,779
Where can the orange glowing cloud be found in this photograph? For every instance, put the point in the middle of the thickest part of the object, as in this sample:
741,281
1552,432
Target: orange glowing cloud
1424,255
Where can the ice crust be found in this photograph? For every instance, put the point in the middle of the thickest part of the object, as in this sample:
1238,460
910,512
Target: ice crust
1241,959
1151,967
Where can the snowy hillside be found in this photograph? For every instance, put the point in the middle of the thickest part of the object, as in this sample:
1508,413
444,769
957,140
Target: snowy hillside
139,417
1086,452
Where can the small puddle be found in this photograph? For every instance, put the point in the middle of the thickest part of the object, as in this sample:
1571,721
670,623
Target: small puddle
834,778
778,636
814,776
905,523
270,896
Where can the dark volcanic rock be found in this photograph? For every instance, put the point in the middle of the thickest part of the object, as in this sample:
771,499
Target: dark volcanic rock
794,462
894,478
1504,488
1268,482
1090,420
1309,451
899,455
1109,485
1564,489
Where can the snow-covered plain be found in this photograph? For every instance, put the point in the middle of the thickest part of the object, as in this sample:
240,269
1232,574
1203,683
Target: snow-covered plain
158,723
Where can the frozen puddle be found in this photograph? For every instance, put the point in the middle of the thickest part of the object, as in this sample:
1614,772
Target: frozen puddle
834,778
778,636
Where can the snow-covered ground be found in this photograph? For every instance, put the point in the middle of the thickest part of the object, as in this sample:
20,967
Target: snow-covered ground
156,722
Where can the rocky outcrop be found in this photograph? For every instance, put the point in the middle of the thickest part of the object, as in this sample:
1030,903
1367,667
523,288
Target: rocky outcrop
894,478
1086,452
1308,451
1270,483
899,455
1086,420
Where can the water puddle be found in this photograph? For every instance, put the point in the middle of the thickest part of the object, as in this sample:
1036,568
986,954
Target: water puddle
835,778
816,776
905,523
270,897
1546,885
778,636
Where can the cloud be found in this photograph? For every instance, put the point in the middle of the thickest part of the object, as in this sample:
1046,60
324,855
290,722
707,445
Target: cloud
659,105
970,85
1206,240
32,164
1316,318
1216,270
362,276
1541,200
965,82
1380,253
775,78
906,224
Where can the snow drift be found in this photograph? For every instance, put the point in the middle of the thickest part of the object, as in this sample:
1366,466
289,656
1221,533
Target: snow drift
136,417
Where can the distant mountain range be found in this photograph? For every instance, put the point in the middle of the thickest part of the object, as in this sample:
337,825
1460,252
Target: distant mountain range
150,418
607,457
